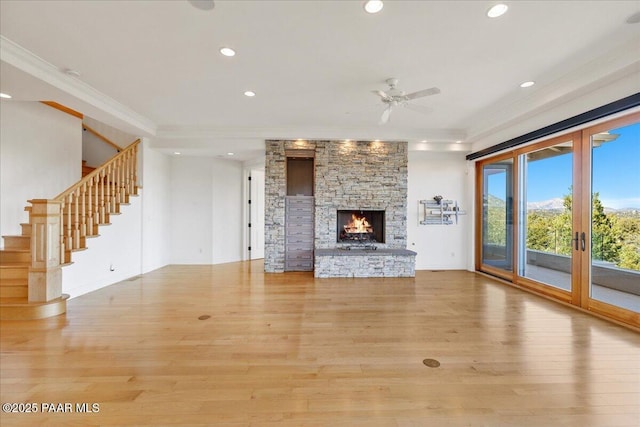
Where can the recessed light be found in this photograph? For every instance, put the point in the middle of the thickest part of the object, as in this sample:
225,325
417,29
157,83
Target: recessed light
177,153
227,51
497,10
5,96
249,93
373,6
527,84
230,154
424,140
458,142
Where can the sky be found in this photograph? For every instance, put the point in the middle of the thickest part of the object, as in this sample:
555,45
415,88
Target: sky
616,172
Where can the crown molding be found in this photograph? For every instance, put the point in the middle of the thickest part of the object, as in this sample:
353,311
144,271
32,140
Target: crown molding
306,132
596,73
26,61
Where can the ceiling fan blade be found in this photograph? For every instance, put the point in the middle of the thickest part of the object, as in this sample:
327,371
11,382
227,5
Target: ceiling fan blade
382,95
385,115
419,108
421,93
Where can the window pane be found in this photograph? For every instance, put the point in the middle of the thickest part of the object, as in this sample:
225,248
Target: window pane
546,201
615,217
497,229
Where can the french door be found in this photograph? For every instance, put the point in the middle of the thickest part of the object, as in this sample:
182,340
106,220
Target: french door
562,217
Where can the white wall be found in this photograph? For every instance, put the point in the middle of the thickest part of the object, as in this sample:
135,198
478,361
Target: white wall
206,210
110,258
40,157
95,151
191,210
118,137
227,211
438,246
156,208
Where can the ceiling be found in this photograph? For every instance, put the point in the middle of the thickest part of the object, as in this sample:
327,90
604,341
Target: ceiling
154,68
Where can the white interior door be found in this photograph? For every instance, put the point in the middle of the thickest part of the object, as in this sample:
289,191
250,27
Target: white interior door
257,214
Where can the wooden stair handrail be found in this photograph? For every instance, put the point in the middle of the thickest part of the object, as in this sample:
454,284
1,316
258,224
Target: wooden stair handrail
97,171
61,226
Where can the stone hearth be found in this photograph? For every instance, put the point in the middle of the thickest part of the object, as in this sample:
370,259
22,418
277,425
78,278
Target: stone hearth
365,263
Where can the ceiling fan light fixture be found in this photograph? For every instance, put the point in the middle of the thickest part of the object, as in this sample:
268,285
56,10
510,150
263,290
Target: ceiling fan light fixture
527,84
227,51
497,10
373,6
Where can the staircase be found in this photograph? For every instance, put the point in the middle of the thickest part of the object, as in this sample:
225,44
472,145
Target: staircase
86,170
30,264
15,261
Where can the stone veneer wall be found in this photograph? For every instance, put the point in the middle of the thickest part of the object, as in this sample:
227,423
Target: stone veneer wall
354,263
361,175
275,192
348,175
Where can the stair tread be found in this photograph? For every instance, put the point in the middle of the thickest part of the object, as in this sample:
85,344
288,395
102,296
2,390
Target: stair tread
15,250
14,265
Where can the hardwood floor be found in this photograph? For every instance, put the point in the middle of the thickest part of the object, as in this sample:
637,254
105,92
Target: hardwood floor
288,349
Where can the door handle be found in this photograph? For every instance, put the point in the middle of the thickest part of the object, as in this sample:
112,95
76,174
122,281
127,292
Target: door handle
576,240
583,241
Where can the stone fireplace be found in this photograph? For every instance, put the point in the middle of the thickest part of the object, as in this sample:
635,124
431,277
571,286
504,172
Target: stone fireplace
350,178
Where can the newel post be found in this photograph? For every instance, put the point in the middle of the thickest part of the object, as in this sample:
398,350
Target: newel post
45,274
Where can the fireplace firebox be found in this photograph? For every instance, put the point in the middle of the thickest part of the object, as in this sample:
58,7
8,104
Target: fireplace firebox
360,226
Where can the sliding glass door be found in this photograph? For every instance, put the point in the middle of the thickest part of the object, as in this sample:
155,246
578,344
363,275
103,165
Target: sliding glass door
562,217
497,217
545,219
614,224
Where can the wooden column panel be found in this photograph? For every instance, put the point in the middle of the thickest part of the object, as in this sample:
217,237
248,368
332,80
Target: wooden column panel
45,275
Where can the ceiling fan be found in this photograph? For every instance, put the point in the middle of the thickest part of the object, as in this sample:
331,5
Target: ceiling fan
394,97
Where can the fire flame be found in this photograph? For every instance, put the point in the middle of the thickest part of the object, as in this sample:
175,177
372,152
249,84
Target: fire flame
358,225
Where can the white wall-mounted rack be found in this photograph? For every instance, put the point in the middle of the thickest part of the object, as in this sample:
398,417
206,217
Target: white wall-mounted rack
440,211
